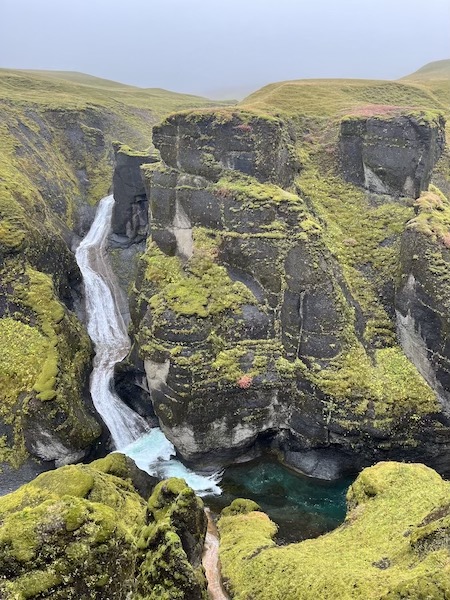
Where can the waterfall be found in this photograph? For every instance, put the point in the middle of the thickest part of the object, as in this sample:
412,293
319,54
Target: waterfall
130,434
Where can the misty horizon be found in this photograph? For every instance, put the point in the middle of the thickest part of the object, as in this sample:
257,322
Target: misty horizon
227,49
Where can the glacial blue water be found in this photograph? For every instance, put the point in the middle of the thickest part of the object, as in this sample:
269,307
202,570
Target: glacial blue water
302,507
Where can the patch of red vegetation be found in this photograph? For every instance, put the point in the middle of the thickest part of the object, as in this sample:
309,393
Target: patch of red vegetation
245,382
244,127
369,110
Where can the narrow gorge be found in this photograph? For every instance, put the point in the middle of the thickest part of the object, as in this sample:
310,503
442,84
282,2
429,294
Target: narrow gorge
238,307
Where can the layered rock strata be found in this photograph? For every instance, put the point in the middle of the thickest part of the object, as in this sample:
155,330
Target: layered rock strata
264,309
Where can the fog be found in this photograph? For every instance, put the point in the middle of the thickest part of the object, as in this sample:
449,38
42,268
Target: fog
224,48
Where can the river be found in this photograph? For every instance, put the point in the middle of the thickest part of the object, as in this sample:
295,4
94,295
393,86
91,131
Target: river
130,434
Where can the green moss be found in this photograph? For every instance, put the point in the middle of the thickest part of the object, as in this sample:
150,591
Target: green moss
201,288
21,360
386,389
433,218
240,506
376,557
68,481
166,571
248,189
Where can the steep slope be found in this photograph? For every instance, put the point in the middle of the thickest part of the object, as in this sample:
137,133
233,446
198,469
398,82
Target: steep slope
56,161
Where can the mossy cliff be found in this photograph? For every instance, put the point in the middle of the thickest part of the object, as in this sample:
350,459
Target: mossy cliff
44,365
56,162
84,532
422,299
393,544
264,307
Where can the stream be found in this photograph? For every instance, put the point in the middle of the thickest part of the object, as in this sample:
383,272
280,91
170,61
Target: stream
130,434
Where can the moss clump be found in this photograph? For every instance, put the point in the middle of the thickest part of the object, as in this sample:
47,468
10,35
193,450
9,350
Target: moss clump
202,287
372,555
70,533
80,532
240,506
433,216
173,541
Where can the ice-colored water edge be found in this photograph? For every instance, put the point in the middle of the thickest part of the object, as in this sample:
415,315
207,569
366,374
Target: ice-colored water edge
154,454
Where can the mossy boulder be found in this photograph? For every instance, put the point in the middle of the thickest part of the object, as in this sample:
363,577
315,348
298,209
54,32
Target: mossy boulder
394,543
83,532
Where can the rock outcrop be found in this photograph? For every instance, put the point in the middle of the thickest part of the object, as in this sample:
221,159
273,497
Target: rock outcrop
129,223
391,155
264,310
423,295
83,532
383,550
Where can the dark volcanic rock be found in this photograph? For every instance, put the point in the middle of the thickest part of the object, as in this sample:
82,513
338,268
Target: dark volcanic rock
252,321
423,295
205,142
393,155
130,212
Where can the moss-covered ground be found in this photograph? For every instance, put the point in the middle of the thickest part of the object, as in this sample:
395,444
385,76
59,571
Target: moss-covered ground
393,544
83,532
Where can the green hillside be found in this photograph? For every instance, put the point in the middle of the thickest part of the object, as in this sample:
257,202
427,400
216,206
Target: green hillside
69,89
439,69
336,97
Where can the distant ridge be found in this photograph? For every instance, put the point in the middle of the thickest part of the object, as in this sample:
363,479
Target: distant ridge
439,69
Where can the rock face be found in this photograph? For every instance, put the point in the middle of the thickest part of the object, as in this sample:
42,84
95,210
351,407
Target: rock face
55,160
44,371
422,299
386,550
130,213
393,155
84,532
265,315
205,143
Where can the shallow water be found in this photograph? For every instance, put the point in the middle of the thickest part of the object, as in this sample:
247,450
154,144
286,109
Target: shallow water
301,506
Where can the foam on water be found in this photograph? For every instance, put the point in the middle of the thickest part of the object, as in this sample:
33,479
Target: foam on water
154,454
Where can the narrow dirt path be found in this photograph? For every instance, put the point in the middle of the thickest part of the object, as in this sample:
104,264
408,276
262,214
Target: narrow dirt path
210,561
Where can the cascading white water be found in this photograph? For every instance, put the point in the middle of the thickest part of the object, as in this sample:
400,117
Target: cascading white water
151,450
107,330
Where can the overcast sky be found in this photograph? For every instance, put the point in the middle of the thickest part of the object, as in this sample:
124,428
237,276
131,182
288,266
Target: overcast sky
212,47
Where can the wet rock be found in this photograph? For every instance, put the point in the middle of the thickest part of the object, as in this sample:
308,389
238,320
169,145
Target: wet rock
129,223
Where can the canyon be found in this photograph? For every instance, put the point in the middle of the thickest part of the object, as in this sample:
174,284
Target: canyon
274,279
